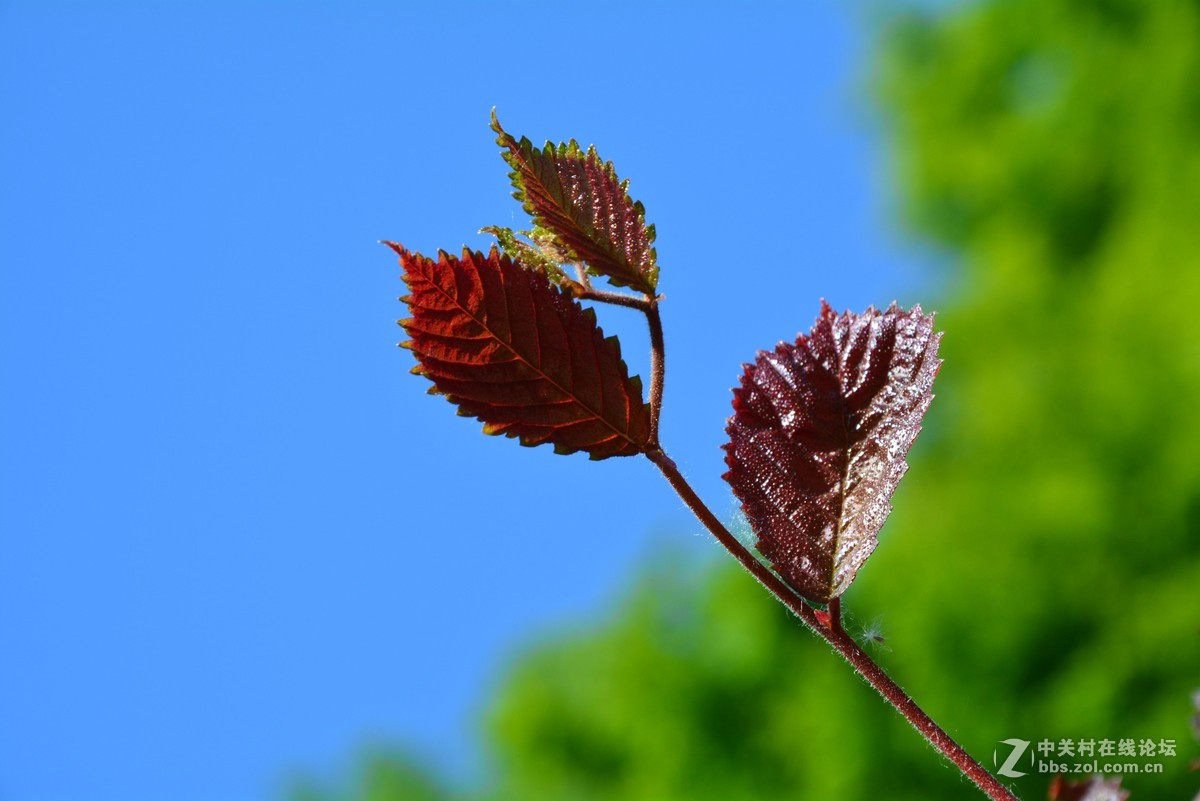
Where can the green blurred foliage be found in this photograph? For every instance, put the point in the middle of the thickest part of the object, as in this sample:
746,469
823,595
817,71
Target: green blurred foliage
1039,576
381,777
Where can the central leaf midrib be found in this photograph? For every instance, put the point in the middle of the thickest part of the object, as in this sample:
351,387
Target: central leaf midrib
843,478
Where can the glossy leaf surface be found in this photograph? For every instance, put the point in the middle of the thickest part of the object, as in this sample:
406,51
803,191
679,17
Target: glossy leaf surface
577,198
819,436
506,346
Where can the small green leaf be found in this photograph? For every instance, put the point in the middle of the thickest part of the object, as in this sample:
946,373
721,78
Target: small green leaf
530,255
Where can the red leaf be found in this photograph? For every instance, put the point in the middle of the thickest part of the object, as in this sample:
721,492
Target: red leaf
507,347
818,439
578,199
1092,789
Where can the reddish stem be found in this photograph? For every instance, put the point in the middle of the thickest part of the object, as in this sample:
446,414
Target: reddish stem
831,631
658,367
835,615
615,298
835,636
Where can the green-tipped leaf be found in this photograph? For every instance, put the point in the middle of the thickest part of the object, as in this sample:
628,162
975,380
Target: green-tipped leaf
577,198
532,255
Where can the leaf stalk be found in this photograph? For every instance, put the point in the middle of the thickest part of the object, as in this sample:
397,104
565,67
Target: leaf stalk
615,298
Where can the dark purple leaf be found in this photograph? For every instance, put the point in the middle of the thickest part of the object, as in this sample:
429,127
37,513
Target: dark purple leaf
819,436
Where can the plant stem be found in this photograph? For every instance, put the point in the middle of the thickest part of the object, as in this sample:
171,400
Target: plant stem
835,614
658,367
831,631
835,636
582,276
616,299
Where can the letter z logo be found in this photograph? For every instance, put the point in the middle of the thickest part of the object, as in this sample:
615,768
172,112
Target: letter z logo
1018,750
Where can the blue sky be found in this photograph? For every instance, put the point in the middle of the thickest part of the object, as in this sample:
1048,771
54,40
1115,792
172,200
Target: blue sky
238,540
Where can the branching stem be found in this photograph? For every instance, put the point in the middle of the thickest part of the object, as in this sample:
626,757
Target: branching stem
616,299
830,629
